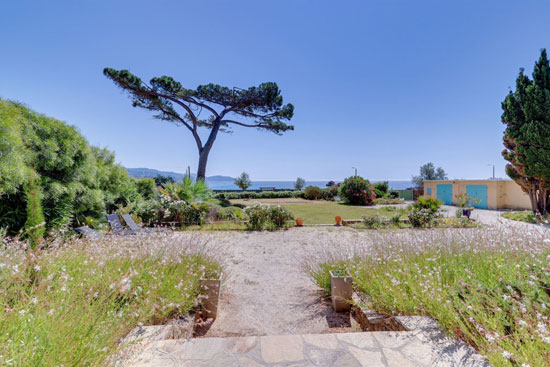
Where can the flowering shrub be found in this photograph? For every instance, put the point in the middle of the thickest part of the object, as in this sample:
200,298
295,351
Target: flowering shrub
422,218
70,304
357,191
487,286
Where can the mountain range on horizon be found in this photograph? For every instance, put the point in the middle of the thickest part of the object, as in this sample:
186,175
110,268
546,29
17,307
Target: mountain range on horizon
152,173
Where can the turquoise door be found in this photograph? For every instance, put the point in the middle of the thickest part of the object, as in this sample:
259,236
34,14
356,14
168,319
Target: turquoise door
445,193
478,192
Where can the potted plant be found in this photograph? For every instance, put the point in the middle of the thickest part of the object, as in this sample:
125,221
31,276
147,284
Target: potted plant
340,290
210,289
338,220
299,222
466,203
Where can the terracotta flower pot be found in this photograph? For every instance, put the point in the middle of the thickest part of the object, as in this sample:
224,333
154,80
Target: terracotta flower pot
340,290
210,288
338,220
299,222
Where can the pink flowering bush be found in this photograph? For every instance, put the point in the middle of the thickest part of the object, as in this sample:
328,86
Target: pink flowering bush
356,190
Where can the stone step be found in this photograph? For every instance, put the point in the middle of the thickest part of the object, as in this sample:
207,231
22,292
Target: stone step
385,349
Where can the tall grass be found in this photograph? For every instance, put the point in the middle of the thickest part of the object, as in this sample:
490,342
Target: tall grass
70,305
490,287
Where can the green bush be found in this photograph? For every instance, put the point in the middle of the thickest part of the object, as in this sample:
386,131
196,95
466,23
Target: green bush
381,189
329,193
146,188
374,221
393,194
424,202
35,225
312,193
267,217
522,216
357,191
422,218
258,195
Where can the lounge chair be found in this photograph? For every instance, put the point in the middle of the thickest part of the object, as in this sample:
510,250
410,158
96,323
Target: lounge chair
133,225
88,232
116,225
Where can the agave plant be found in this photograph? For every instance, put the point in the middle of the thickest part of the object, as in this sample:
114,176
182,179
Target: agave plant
188,191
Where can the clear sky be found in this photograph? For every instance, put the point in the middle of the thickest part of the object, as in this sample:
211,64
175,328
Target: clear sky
383,86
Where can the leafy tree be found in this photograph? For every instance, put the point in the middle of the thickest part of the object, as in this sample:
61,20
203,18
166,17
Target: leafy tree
429,172
527,134
221,107
300,183
243,181
161,180
146,187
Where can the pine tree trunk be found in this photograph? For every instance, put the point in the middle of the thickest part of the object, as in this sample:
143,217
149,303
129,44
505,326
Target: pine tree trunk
201,170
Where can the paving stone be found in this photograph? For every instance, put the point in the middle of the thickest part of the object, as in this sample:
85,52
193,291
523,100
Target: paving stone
248,362
201,349
285,348
394,358
367,358
326,341
394,339
419,351
241,345
347,361
361,340
324,357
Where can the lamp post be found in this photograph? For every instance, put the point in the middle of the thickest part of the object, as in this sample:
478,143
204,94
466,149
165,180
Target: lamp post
490,164
355,171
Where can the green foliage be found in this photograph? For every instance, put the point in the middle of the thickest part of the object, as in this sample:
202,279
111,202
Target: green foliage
243,181
163,180
329,193
428,203
381,189
357,191
422,217
464,201
393,194
521,216
374,221
312,193
388,201
188,191
300,183
35,224
146,188
267,217
77,181
526,114
221,107
429,172
258,195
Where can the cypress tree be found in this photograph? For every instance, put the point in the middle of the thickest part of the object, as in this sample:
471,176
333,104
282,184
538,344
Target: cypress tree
527,134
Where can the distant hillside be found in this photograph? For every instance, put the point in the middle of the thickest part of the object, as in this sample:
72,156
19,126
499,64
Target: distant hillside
152,173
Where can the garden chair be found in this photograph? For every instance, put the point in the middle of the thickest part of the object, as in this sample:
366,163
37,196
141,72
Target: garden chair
116,225
88,232
134,227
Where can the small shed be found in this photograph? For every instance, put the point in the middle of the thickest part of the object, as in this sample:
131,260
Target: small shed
493,194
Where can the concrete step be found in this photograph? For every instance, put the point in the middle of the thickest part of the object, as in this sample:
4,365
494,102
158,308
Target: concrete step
373,349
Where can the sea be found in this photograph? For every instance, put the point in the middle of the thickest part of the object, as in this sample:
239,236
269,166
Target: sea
256,185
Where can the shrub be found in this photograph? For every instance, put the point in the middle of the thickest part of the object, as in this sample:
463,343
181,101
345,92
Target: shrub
146,187
422,218
34,226
258,195
381,189
396,219
388,201
522,216
374,221
312,193
393,194
357,191
424,202
266,217
279,217
329,193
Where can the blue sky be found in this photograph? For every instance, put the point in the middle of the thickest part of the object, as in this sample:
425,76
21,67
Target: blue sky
383,86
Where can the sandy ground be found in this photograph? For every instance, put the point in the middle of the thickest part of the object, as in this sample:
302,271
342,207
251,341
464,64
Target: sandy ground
266,290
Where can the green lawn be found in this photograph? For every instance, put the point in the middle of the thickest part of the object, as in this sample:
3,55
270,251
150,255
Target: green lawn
321,211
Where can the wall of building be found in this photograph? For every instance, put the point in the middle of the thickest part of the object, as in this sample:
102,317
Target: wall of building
501,194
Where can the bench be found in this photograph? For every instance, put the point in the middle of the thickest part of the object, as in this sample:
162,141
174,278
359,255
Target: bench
267,189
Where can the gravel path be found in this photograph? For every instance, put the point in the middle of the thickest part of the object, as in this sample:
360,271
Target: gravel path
267,291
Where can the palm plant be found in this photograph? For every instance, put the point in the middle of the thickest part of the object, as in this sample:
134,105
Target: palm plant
188,191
